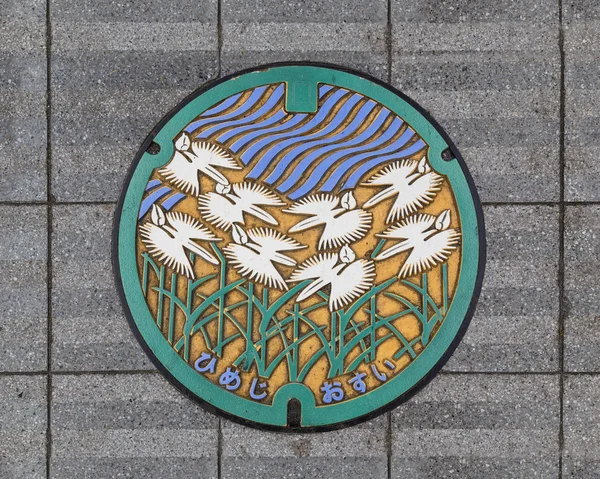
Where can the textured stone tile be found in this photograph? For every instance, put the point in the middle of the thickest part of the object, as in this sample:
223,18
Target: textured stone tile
582,94
129,426
475,426
23,427
22,100
582,289
516,323
89,328
489,73
351,33
581,427
358,451
23,289
117,69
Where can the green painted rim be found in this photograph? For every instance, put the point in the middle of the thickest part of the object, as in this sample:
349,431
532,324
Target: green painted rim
274,416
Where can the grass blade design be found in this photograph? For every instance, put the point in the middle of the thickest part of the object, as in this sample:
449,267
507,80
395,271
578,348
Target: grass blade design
339,334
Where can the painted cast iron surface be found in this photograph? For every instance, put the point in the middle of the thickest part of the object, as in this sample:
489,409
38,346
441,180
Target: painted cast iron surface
298,232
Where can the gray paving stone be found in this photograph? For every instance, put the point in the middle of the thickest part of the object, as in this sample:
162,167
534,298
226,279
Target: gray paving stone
582,290
582,88
23,427
23,100
89,329
23,289
475,426
129,426
581,427
351,33
515,326
358,451
489,73
117,69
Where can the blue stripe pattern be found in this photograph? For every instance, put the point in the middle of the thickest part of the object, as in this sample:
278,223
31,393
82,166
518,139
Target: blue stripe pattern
266,108
222,106
301,153
243,108
337,120
295,135
294,153
331,156
152,184
170,198
347,165
365,167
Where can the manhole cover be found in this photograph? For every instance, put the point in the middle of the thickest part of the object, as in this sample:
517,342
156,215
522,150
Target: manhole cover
298,247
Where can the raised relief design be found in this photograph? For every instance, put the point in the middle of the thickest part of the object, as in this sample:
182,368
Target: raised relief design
319,249
307,286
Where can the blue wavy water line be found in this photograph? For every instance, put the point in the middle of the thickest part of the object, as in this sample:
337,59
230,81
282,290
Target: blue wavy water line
315,120
293,119
152,198
291,123
341,170
290,156
324,89
255,96
341,149
320,171
222,106
278,115
172,200
365,167
152,184
264,110
280,142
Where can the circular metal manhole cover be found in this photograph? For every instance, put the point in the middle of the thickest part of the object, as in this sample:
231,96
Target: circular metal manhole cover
298,247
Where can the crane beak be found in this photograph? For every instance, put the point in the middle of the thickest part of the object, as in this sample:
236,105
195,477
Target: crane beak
223,187
203,253
157,215
393,250
306,224
183,142
238,234
311,289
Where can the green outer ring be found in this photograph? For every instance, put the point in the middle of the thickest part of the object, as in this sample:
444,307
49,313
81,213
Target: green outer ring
361,408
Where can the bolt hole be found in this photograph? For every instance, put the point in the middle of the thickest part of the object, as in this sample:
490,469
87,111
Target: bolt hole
294,412
153,148
447,155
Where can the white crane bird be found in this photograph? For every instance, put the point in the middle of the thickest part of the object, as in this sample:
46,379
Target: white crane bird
192,158
430,240
413,183
348,277
343,224
223,207
168,236
253,253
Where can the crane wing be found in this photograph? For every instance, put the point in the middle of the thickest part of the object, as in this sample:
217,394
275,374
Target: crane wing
320,205
219,211
255,194
429,253
253,266
211,154
409,228
182,174
354,280
395,174
272,240
348,227
318,266
166,249
415,195
190,228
